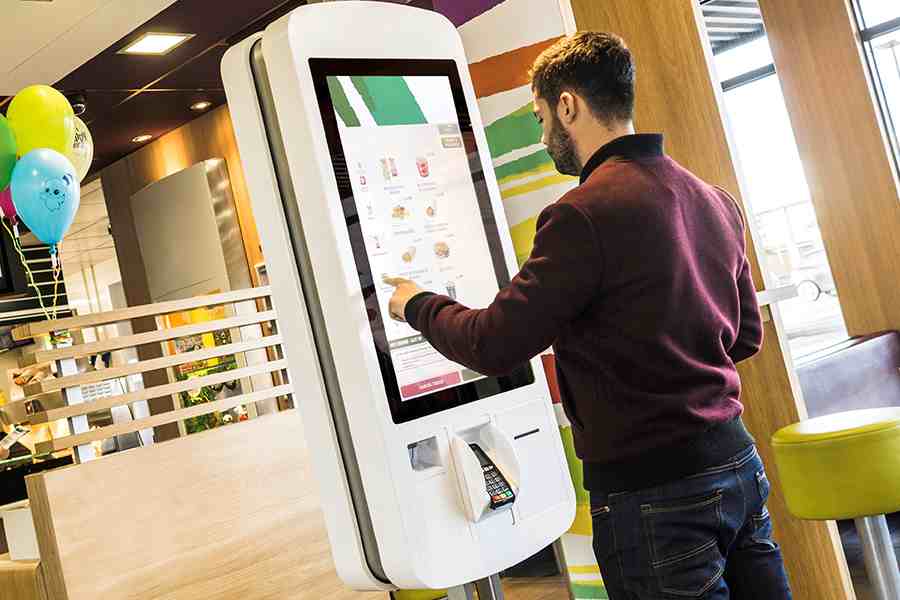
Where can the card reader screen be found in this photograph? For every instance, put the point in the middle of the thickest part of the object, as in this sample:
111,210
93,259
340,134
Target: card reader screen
410,180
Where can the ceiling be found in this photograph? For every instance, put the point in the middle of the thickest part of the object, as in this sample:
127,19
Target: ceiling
129,96
731,23
134,95
75,43
45,40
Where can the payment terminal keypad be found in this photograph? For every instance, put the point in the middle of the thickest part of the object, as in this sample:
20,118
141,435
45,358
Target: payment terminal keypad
497,486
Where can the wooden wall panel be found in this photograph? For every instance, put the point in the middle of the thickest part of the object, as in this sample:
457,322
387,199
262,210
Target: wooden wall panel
677,96
845,154
208,136
227,514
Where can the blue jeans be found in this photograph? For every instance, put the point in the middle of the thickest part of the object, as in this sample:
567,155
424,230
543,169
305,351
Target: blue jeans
706,536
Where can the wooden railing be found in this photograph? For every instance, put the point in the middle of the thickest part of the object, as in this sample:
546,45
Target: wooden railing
255,344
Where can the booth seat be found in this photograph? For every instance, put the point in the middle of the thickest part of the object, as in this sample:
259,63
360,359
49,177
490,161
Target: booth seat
860,373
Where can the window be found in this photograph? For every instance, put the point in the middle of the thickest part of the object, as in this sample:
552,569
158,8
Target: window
879,23
776,194
876,12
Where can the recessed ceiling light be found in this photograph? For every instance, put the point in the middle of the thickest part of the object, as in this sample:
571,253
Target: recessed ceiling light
156,44
140,139
203,105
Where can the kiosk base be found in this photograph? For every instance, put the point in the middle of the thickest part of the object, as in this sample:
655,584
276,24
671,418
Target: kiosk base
488,589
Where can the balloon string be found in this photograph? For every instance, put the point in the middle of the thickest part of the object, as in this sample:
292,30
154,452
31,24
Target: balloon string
57,271
17,244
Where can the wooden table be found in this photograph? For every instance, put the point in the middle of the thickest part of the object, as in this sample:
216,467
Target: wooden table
21,580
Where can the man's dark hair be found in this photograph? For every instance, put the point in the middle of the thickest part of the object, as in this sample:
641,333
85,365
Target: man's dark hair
596,66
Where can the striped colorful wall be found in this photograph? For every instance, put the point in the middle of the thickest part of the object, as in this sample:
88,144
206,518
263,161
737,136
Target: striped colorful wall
502,38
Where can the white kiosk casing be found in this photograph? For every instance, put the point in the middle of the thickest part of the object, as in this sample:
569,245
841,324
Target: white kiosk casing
403,498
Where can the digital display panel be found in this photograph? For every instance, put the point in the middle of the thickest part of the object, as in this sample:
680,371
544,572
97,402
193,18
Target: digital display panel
413,193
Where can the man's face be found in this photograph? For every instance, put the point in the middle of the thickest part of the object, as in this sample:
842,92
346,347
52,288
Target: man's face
560,145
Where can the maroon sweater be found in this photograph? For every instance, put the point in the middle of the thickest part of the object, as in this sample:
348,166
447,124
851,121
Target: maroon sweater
639,280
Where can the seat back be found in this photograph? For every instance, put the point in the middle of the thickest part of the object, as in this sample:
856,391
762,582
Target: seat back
859,373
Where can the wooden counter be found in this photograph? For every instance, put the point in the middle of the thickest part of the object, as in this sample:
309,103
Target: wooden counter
21,580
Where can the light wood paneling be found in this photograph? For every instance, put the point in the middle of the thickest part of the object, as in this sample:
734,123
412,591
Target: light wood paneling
21,580
245,524
84,350
676,95
141,339
31,330
845,154
102,433
59,383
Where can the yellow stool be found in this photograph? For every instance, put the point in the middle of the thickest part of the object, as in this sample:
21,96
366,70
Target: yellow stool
847,466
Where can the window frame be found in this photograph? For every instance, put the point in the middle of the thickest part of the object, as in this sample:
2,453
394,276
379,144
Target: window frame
747,78
868,36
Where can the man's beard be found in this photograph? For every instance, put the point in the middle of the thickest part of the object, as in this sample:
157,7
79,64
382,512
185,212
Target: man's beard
561,149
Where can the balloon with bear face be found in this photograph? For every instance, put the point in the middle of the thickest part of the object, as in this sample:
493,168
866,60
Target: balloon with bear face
46,193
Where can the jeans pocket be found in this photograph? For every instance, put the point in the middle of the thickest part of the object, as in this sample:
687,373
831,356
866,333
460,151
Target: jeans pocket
683,536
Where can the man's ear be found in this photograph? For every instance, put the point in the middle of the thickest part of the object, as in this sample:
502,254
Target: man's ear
567,108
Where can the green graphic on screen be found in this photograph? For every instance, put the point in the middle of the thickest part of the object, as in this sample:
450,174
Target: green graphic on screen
386,100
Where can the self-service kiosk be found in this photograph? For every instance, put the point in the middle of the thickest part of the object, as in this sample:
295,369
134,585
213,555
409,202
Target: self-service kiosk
365,156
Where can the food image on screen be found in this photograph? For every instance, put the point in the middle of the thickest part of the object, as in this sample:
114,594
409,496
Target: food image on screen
404,135
442,250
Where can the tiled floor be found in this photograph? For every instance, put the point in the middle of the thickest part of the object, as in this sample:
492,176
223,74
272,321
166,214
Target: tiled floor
549,588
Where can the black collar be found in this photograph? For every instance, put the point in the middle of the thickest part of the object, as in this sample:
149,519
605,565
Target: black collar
629,147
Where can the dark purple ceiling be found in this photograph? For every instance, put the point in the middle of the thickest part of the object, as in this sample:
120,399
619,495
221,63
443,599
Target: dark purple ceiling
133,95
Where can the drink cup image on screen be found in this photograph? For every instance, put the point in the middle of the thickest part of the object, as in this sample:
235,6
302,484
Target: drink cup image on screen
422,166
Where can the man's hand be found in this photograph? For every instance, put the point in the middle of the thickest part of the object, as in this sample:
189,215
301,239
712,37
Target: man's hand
404,292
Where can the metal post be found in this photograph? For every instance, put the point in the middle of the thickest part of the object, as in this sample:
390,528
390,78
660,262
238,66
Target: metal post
490,588
559,552
461,592
881,560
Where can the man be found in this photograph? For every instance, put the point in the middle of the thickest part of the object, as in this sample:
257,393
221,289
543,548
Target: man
639,279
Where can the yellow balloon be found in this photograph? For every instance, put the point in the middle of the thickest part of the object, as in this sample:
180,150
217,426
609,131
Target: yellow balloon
41,117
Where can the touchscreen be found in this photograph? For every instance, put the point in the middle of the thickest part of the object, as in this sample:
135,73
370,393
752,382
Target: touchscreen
418,209
410,180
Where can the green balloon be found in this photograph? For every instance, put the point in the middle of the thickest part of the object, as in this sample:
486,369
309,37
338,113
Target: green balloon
7,152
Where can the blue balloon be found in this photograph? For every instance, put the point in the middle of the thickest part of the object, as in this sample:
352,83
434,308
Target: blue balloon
46,193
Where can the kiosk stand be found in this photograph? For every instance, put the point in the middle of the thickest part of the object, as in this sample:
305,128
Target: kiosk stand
487,589
365,156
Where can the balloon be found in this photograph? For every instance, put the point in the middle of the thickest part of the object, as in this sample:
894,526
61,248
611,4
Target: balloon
7,152
7,206
41,117
82,150
46,194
